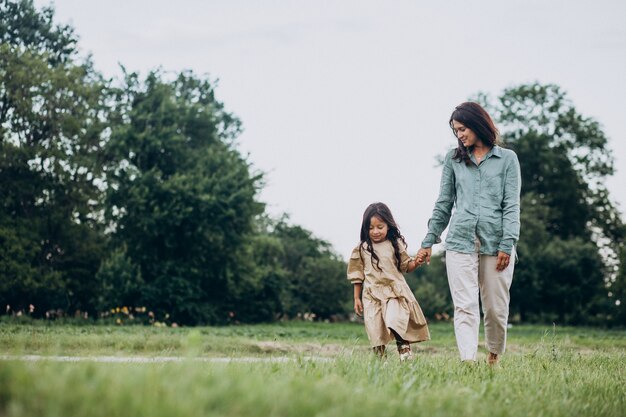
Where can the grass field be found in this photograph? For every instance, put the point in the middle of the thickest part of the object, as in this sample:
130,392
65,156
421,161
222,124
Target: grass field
548,371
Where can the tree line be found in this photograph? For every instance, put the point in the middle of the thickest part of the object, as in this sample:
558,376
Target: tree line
133,192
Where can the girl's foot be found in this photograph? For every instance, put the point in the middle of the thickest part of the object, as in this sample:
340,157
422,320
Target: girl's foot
405,352
379,351
492,359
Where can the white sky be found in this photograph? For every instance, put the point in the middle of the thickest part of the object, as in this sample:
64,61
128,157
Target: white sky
346,102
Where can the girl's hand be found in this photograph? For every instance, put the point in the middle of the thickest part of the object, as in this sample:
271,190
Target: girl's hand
358,307
418,260
414,263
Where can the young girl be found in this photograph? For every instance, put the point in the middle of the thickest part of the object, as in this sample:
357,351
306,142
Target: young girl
375,268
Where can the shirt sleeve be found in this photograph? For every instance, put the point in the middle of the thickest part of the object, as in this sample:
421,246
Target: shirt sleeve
356,273
443,206
511,206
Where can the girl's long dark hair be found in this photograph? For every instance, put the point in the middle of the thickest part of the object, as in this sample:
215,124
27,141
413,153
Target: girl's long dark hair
381,211
474,117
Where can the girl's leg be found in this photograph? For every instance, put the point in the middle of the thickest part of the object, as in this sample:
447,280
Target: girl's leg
494,294
379,351
404,347
462,271
400,342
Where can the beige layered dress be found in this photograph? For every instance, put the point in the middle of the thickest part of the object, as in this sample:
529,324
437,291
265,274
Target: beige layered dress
388,302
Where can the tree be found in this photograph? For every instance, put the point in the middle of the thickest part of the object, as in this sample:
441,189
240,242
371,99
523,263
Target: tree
315,276
617,299
23,27
261,290
181,197
136,195
51,129
119,281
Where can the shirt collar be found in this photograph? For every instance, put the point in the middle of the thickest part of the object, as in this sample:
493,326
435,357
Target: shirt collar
495,151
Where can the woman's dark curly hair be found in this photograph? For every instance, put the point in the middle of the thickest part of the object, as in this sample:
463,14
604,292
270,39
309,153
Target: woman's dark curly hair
474,117
383,213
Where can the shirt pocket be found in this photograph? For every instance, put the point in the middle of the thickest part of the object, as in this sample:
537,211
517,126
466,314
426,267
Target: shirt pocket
494,187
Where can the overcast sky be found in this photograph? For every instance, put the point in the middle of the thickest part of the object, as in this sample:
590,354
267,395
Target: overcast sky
346,102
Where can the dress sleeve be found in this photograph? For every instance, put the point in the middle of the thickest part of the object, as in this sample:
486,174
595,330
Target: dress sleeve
404,257
356,273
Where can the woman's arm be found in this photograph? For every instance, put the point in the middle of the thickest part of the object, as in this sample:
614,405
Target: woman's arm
443,206
511,206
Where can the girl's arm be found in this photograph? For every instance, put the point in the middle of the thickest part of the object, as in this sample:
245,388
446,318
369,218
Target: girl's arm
408,264
356,275
358,304
415,263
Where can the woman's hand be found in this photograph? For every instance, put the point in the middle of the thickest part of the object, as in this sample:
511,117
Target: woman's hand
503,261
424,254
358,307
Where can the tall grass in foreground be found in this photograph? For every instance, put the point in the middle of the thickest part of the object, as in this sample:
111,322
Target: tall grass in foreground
548,371
544,383
319,339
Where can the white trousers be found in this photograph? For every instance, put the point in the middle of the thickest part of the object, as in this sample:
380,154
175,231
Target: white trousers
471,274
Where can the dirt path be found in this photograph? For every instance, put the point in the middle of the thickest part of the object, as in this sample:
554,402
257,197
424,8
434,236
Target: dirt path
155,359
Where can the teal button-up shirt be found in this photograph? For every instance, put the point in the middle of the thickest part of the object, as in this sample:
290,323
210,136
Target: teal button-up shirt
486,201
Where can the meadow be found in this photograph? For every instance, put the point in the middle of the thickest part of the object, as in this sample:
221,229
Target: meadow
319,369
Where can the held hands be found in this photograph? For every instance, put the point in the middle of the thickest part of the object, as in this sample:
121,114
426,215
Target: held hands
424,255
414,263
417,261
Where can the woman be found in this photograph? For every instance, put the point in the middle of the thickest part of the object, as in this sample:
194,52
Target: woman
482,180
